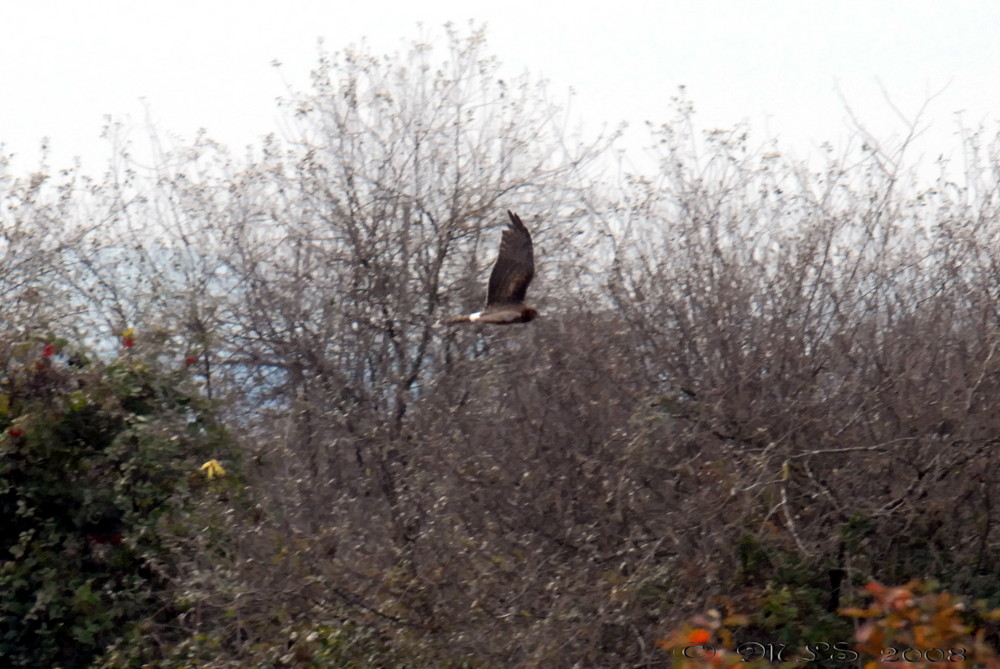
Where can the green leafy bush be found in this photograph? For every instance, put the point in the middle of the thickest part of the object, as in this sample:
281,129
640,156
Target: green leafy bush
92,457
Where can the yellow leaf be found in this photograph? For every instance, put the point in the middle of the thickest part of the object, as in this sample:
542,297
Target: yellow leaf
212,469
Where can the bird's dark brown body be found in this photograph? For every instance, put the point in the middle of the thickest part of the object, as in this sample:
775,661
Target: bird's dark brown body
512,274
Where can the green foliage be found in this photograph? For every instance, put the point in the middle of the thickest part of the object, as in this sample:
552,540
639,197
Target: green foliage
91,456
794,605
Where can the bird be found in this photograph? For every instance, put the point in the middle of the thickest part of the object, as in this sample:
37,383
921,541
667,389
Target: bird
509,280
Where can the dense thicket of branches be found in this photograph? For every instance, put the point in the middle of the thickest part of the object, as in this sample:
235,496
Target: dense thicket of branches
750,380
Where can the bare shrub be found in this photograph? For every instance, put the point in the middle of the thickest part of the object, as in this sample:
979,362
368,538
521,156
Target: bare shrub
827,349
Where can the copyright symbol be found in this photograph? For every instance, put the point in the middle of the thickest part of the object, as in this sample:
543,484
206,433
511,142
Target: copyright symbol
694,651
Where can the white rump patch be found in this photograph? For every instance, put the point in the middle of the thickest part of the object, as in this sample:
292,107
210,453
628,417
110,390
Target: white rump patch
475,317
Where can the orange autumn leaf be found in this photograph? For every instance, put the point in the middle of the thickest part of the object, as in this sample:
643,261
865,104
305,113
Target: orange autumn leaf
699,636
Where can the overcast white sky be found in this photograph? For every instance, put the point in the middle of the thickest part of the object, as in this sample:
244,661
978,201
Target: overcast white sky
66,64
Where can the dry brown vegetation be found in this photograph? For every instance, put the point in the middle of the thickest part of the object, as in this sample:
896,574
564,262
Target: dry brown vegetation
752,382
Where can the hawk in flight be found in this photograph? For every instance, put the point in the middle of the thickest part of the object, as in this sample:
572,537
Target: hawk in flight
509,280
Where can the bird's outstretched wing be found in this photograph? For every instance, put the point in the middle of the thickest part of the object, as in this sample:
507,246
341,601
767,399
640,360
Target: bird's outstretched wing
515,265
